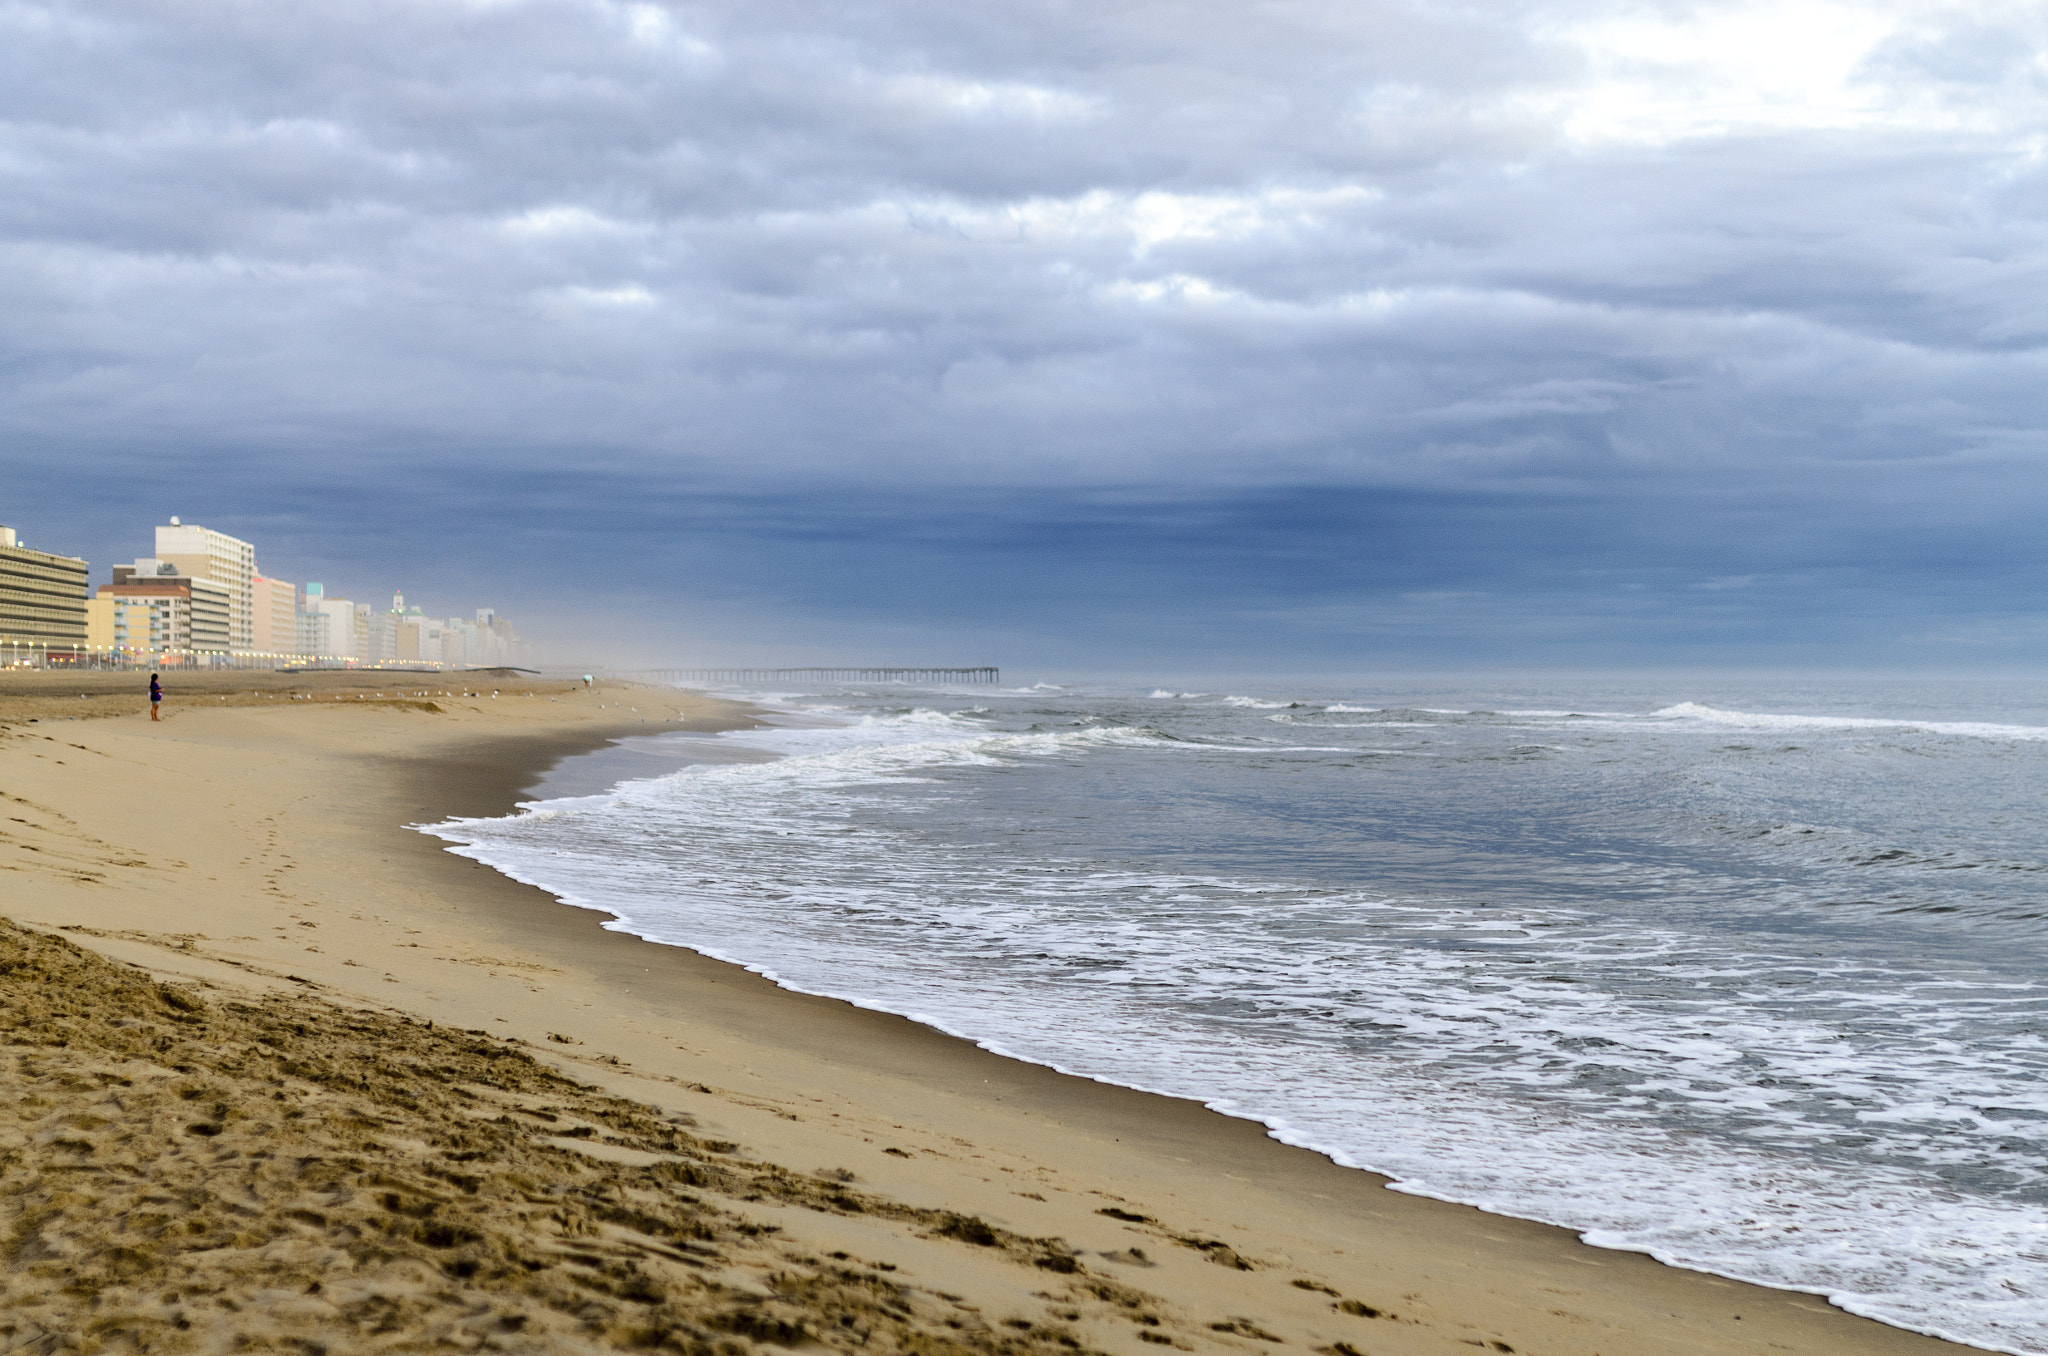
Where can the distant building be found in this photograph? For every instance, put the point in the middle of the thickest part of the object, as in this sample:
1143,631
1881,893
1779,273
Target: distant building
311,623
276,629
42,596
414,638
406,635
121,625
185,612
344,638
376,635
326,626
203,554
496,642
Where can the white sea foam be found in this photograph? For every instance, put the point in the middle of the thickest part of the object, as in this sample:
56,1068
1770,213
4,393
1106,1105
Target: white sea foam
1289,718
1698,715
1527,1061
1752,720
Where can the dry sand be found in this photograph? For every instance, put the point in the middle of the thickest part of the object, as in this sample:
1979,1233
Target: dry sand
335,1089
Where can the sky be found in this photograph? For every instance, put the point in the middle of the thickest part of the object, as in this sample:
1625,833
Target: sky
1298,335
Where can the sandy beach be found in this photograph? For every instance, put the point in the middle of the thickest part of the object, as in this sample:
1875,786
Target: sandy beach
285,1074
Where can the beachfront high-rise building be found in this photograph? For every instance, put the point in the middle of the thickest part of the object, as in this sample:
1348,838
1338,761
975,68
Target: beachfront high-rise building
413,637
327,626
276,629
202,553
344,640
376,635
311,621
406,634
42,596
203,592
185,613
120,625
497,642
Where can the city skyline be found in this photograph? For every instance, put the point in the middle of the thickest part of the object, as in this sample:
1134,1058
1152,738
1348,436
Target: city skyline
201,593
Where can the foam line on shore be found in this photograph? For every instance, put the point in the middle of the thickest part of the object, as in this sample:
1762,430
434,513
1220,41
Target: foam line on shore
843,758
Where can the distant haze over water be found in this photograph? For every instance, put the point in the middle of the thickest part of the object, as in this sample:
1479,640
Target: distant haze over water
1748,976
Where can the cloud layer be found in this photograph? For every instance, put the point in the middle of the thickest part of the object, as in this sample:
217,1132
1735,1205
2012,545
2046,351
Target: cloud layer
1713,292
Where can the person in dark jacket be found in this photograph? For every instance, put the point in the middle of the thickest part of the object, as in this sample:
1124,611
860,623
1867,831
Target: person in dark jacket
156,697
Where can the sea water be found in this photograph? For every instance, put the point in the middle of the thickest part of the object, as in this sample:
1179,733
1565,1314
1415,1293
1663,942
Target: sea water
1746,976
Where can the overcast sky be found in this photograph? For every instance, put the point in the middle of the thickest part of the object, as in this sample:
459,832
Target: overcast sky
1301,335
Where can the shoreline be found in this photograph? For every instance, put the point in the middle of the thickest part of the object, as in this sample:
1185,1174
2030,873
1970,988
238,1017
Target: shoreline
654,1021
1274,1135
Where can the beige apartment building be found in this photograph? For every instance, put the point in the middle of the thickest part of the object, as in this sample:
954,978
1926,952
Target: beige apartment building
200,553
118,624
276,628
42,596
183,612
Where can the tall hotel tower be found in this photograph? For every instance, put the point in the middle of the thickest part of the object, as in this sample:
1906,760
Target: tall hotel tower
202,553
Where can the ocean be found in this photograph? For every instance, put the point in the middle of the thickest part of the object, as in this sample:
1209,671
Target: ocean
1744,975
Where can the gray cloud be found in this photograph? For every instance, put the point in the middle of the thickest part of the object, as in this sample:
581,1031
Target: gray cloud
1593,251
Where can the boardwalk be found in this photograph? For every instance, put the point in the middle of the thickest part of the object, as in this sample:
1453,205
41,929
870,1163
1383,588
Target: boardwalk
884,674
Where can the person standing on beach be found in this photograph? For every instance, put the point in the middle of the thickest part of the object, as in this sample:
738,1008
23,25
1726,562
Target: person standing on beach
156,697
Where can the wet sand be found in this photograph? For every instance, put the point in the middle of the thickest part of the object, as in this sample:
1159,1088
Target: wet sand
863,1181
